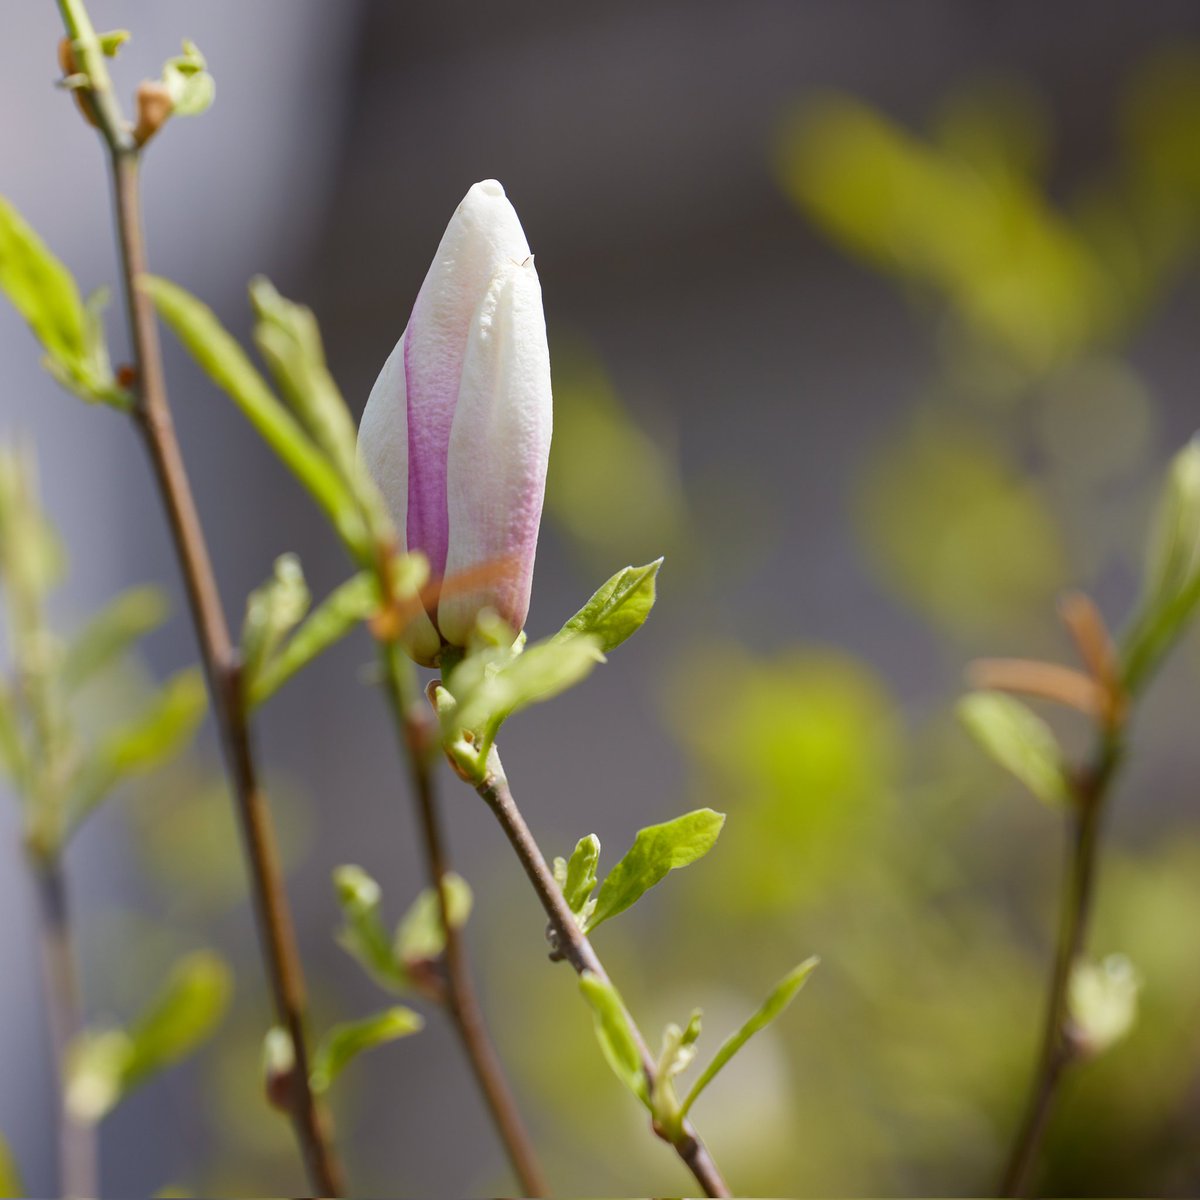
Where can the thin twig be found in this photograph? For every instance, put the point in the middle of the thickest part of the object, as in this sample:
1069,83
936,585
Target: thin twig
461,1000
153,417
572,944
1059,1048
77,1149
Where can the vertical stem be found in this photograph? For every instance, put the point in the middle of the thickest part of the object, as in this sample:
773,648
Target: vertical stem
277,936
462,1002
572,944
1059,1050
77,1150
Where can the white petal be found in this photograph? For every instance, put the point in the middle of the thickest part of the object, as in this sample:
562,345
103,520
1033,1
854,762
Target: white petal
499,450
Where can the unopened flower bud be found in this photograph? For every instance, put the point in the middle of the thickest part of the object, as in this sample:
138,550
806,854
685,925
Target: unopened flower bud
456,431
154,106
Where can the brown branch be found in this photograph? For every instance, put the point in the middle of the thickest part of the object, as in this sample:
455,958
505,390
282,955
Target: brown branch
77,1151
277,936
461,1001
572,944
1059,1048
153,416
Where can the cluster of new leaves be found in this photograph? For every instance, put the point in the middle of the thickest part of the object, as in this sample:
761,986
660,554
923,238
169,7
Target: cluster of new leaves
499,675
1103,997
60,774
615,1032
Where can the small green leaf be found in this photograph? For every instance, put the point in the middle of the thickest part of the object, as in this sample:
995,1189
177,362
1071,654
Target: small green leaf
618,609
1171,592
354,601
656,850
615,1034
112,41
191,87
95,1073
272,612
362,935
346,1041
1015,737
154,737
188,1009
41,289
676,1055
491,685
10,1174
781,996
112,632
44,292
1103,1001
103,1066
579,874
420,936
224,361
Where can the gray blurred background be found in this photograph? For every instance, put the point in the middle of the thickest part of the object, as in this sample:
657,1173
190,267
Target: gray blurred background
757,365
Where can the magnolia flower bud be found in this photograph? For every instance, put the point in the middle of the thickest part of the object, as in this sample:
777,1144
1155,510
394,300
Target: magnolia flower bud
456,431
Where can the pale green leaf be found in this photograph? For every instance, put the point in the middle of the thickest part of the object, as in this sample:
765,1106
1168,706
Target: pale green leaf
1015,737
1171,592
112,632
614,1032
188,1009
224,361
489,695
656,850
343,609
347,1041
781,996
272,612
420,936
191,87
579,873
618,609
362,935
41,288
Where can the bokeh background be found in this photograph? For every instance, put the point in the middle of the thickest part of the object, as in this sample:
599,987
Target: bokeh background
879,321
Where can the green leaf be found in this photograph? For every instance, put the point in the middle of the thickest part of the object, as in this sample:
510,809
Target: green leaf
490,686
1171,592
618,609
656,850
1014,736
103,1066
41,289
191,87
152,738
10,1174
227,365
420,936
347,1041
44,292
112,41
362,935
781,996
189,1008
339,613
272,612
112,632
676,1055
1103,1001
579,875
614,1032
